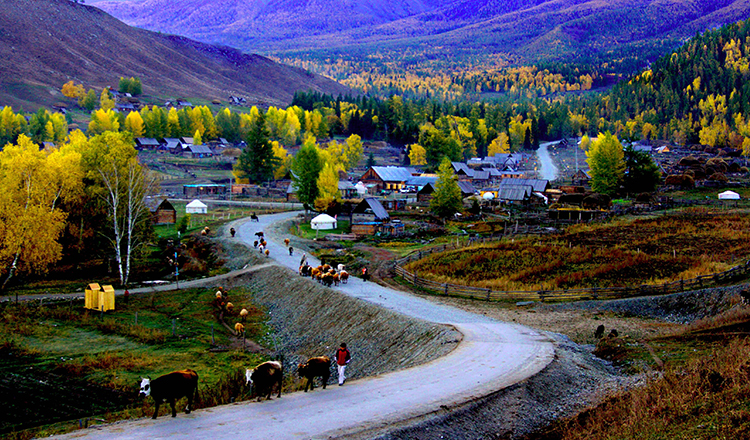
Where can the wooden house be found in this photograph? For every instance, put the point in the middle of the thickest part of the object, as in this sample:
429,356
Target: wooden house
581,177
147,144
204,189
368,217
163,213
386,178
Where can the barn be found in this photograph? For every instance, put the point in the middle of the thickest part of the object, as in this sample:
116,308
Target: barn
162,213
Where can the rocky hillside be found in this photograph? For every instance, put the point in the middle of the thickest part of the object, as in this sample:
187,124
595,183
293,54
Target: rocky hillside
45,43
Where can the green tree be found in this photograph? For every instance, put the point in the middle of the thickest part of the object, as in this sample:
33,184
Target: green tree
306,168
370,161
446,199
642,174
257,161
606,160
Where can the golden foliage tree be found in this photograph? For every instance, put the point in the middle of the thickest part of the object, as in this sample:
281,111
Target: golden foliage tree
417,155
134,124
499,145
606,160
103,120
328,187
32,184
105,100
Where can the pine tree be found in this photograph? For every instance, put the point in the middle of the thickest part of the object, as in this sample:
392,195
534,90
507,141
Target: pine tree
446,199
257,161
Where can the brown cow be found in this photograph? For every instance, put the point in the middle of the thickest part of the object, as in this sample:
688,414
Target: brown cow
314,367
264,377
171,387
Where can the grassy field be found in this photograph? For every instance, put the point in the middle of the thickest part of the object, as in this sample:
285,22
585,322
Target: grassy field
150,335
624,252
702,389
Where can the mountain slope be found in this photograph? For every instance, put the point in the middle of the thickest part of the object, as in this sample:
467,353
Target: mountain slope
531,29
45,43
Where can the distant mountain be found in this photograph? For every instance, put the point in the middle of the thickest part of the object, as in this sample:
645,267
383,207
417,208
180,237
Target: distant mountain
530,29
45,43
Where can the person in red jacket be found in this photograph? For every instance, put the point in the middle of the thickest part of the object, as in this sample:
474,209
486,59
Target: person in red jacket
343,357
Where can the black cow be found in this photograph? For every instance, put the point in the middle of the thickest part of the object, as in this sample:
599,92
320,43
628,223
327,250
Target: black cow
599,331
264,377
314,367
171,387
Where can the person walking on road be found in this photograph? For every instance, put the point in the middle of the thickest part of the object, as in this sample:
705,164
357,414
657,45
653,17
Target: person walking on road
303,260
365,274
291,252
343,357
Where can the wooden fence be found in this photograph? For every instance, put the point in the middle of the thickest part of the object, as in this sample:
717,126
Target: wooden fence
448,289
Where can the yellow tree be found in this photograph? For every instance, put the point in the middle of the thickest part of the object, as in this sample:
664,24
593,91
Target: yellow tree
417,155
103,120
105,101
173,123
606,160
197,138
585,142
71,90
354,151
328,187
499,145
284,159
32,184
122,184
134,124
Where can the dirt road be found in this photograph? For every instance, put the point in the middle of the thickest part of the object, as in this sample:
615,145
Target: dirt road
548,170
491,356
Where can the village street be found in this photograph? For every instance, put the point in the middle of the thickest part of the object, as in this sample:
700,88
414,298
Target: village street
491,356
547,168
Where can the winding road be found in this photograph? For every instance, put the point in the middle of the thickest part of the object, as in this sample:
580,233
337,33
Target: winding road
491,356
547,168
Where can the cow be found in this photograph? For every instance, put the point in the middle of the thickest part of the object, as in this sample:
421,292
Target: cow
171,387
259,234
599,331
314,367
264,377
344,276
254,218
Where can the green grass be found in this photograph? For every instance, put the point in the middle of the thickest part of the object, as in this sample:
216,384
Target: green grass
116,352
305,231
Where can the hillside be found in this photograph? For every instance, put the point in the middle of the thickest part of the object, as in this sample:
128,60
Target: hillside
45,43
414,30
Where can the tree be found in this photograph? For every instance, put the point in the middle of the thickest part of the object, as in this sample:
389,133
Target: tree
306,168
32,184
284,160
122,184
134,124
71,90
105,101
499,145
370,161
328,187
642,174
88,100
257,161
197,139
103,120
417,155
606,161
354,151
446,199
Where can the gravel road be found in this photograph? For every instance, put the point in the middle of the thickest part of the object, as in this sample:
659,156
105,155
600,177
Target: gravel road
491,356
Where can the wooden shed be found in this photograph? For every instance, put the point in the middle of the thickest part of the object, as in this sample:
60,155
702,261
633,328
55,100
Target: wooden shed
163,213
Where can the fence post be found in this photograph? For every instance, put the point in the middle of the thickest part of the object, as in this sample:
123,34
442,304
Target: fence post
446,289
489,291
415,278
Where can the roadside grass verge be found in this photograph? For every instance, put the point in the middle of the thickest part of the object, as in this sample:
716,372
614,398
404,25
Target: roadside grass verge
699,389
105,357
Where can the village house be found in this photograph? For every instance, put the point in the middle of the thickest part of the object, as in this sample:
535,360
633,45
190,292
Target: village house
198,151
204,189
162,212
426,193
147,143
382,179
369,217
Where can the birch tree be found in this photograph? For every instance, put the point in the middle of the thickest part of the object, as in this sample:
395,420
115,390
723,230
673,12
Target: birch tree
123,185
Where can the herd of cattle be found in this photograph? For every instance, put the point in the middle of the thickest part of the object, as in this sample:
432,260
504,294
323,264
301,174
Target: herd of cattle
263,380
325,274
